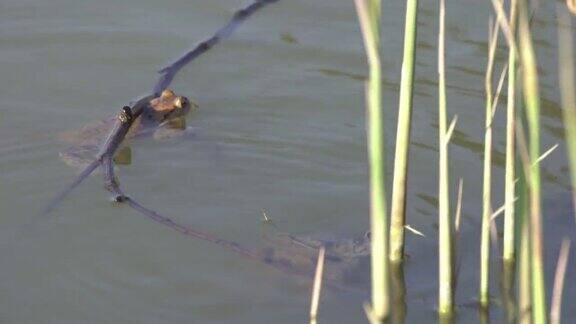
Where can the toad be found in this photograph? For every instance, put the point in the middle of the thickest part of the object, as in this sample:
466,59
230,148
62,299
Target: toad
162,117
346,264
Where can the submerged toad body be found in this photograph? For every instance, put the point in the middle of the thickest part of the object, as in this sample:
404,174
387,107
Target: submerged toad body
346,263
162,117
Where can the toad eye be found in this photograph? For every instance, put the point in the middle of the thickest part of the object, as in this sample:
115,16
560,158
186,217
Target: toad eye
180,102
166,93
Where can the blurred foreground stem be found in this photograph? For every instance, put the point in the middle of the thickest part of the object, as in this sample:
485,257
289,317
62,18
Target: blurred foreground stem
369,17
398,208
532,102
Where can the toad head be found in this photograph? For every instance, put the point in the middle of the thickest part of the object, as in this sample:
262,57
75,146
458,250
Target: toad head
169,106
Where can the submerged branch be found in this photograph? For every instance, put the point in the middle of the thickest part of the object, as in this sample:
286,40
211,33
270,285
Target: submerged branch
127,116
168,73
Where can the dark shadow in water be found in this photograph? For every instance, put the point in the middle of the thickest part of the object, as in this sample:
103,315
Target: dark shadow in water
337,73
446,319
483,315
507,291
346,264
398,293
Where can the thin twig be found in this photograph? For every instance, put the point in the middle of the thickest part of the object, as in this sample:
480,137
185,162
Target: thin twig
457,223
555,307
458,208
499,89
413,230
545,154
499,211
317,285
450,130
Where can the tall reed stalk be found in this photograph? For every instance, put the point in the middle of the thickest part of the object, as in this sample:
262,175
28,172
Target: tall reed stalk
398,207
532,102
445,264
508,252
369,17
567,88
524,291
487,176
523,217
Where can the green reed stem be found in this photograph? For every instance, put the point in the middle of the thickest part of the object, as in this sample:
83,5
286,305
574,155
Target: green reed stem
508,253
524,293
522,216
369,17
487,176
445,293
398,208
567,88
532,101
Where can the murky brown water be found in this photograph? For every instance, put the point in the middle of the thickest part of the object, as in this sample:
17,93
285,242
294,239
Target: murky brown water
280,128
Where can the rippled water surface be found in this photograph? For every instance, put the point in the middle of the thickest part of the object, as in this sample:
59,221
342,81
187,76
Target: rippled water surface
280,128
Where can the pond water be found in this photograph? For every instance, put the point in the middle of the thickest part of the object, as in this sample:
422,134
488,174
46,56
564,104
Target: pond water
280,128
